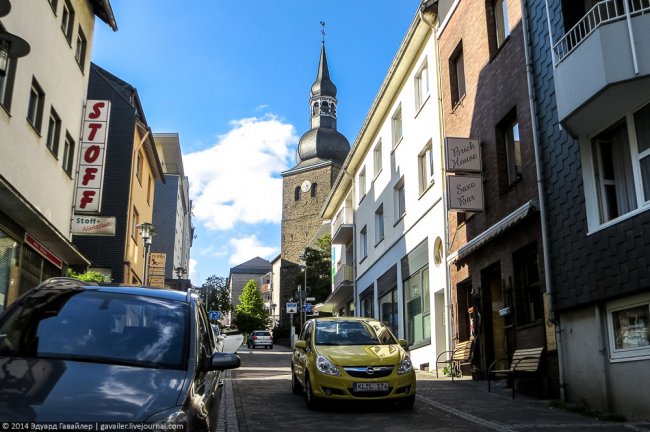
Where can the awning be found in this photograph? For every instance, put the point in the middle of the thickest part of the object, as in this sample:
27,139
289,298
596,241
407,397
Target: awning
341,295
494,231
18,208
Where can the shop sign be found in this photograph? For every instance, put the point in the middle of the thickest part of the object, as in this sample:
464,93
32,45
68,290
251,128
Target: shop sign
465,193
462,155
85,225
43,251
92,157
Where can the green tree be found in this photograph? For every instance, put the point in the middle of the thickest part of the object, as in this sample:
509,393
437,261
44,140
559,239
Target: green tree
319,269
216,295
250,313
89,276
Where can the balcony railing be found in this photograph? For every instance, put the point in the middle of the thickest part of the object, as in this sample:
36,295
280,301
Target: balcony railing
345,217
603,13
344,274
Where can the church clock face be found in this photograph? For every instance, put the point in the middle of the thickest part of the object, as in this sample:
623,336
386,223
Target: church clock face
306,185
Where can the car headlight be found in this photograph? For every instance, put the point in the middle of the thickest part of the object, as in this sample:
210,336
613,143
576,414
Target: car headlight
326,366
174,416
405,366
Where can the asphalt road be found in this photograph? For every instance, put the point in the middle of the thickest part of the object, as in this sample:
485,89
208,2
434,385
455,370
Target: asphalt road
262,391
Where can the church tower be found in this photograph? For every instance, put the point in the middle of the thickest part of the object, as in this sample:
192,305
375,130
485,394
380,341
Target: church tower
305,187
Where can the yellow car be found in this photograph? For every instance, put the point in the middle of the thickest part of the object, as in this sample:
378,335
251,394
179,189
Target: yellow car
351,358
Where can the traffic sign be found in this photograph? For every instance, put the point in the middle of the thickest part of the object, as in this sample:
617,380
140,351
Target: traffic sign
310,299
308,308
215,315
292,308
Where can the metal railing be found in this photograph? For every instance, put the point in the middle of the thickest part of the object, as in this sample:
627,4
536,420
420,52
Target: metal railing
602,13
345,217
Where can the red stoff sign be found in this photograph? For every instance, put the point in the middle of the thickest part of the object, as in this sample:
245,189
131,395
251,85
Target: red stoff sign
92,156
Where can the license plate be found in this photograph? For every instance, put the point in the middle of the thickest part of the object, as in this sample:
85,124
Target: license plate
368,387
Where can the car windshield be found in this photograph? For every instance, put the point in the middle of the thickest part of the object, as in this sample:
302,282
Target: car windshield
94,326
352,333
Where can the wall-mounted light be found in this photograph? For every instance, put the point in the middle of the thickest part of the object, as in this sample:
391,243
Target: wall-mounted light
11,46
147,231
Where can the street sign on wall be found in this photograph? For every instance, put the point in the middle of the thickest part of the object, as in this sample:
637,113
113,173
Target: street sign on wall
156,269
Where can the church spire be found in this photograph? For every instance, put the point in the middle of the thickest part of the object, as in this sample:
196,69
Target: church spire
322,142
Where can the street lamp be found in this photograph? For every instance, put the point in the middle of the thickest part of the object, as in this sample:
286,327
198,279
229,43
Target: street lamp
303,257
11,46
147,231
179,272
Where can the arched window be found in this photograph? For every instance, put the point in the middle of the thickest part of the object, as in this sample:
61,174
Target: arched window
296,193
325,107
314,110
313,189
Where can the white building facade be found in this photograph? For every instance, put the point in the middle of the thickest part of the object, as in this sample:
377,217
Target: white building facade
42,100
388,212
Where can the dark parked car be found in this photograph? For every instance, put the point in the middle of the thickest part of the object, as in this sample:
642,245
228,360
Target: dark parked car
73,351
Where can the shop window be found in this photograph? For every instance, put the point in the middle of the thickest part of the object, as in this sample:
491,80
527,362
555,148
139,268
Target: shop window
417,313
368,303
629,328
388,310
529,303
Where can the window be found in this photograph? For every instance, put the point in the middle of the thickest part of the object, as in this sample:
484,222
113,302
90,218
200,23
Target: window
529,304
80,51
362,184
296,193
457,75
396,123
379,224
53,133
149,189
508,132
501,26
54,4
135,221
67,21
368,303
400,200
35,106
377,158
363,243
139,164
68,154
7,82
628,323
425,167
314,189
421,85
388,310
417,302
621,162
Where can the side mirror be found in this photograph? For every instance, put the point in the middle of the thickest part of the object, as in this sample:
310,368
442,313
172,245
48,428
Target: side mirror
301,344
403,343
223,361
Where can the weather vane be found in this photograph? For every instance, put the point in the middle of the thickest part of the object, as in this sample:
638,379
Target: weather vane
322,30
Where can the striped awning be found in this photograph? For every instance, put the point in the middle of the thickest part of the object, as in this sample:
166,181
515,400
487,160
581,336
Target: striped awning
494,231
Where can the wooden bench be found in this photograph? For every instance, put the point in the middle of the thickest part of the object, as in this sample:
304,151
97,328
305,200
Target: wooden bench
459,356
524,361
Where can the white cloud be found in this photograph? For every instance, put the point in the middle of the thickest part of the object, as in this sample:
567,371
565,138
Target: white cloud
193,274
247,248
237,180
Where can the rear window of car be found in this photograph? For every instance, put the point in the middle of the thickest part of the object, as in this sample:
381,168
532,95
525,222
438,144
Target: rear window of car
98,327
262,333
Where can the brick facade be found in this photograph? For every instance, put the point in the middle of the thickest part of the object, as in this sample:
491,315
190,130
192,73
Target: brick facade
496,90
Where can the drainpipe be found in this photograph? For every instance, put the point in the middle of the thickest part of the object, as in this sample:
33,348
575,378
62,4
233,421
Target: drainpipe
448,294
540,187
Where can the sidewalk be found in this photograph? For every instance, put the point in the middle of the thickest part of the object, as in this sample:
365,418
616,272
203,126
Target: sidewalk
471,401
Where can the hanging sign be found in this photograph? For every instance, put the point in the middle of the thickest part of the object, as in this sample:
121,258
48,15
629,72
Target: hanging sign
465,193
86,225
92,156
462,155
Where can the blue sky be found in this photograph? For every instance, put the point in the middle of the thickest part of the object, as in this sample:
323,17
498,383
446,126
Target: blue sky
232,78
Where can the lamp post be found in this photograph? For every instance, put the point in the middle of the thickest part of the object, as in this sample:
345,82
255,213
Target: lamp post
11,46
146,232
303,257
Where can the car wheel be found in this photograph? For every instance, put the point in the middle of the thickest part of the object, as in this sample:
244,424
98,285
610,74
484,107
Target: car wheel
407,402
295,385
312,401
